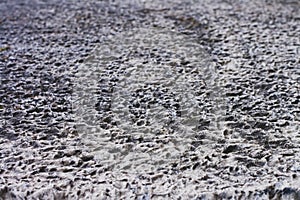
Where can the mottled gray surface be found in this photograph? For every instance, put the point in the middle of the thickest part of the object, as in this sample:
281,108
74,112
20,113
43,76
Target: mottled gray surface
150,99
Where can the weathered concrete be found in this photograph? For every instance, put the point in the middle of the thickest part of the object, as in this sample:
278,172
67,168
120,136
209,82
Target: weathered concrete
149,99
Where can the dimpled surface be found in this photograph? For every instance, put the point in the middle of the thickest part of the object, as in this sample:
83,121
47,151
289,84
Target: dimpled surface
149,99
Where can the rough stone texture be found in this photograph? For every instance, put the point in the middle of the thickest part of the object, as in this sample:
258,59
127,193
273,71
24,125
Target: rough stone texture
150,99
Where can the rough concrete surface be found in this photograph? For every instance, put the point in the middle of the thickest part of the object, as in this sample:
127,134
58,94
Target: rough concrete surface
136,99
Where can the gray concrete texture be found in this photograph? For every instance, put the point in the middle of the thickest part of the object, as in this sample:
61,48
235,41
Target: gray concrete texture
141,99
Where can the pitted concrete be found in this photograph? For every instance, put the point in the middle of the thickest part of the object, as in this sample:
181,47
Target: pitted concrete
149,99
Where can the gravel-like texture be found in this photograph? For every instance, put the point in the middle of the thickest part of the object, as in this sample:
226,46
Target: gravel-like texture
150,99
